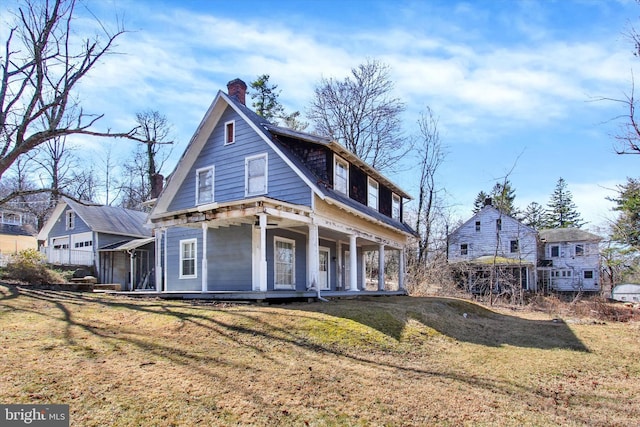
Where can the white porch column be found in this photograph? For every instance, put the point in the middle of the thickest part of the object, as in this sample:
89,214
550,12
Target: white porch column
401,269
205,276
339,282
165,275
381,267
263,252
313,263
353,264
158,258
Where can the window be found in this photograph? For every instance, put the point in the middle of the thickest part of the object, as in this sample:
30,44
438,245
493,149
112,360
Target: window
464,249
515,247
341,176
11,218
255,175
499,224
188,259
372,200
204,185
284,259
588,274
70,220
229,133
477,225
395,207
579,250
555,251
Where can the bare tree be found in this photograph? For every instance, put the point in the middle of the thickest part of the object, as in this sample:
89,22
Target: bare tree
42,66
432,156
360,113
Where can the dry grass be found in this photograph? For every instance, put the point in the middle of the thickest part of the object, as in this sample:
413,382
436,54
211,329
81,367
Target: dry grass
395,361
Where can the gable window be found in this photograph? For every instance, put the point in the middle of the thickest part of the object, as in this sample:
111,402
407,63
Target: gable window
579,250
499,224
341,176
477,225
188,259
395,207
588,274
70,220
464,249
555,251
255,175
372,200
514,246
285,262
204,185
229,132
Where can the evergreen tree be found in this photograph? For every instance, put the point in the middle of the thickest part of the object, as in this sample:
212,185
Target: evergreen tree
627,226
534,215
479,202
562,212
267,105
503,196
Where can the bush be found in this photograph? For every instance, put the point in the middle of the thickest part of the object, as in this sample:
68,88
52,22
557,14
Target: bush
28,266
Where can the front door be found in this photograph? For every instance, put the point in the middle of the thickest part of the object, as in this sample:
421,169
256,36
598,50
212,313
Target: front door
323,269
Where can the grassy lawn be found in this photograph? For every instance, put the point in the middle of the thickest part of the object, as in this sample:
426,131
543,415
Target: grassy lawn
395,361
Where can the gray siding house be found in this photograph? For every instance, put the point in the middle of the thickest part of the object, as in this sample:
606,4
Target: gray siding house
113,241
256,208
494,251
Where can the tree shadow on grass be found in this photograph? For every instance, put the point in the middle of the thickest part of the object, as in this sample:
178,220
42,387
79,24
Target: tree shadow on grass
461,320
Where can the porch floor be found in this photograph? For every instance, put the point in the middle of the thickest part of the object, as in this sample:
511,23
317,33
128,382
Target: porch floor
253,295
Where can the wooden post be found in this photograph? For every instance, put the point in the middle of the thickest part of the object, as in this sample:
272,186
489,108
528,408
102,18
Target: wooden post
313,262
263,251
381,267
353,264
205,228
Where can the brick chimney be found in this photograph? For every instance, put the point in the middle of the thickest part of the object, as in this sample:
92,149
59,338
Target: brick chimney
237,89
157,182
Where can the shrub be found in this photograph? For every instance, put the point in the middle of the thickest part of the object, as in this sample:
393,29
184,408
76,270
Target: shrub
28,266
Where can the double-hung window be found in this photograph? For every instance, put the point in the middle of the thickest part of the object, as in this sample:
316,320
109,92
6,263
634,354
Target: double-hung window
188,259
579,250
514,246
229,132
341,176
395,207
204,185
285,261
372,200
255,175
464,249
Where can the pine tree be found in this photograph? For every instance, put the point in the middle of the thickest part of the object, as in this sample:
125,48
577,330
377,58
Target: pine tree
562,212
479,202
627,226
503,196
267,105
534,215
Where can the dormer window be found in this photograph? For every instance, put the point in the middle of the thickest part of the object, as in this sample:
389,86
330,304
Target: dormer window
229,132
341,176
372,199
395,207
204,185
11,218
70,220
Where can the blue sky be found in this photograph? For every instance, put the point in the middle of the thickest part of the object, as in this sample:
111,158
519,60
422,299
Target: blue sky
514,84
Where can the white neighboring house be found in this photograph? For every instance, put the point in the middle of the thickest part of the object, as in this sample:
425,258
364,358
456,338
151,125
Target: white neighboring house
492,246
569,260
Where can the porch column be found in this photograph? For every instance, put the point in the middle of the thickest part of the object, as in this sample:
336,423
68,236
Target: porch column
381,267
263,252
313,263
158,259
165,275
339,282
353,264
401,269
205,227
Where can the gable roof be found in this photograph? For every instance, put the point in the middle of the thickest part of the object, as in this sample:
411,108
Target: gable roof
102,219
268,132
488,208
15,230
557,235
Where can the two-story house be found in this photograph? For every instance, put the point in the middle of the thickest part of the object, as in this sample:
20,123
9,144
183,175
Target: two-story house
569,260
253,207
493,251
15,234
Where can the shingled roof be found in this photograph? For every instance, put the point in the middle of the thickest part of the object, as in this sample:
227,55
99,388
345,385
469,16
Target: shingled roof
557,235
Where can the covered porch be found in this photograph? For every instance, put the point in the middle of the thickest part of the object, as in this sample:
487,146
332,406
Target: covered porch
287,242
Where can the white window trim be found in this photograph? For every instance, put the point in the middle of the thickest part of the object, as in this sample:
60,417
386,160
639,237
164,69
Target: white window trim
69,225
226,134
395,197
339,160
277,285
213,184
369,181
246,174
195,259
